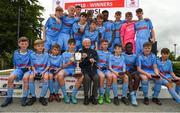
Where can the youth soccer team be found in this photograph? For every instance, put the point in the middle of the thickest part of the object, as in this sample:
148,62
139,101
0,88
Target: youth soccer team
120,54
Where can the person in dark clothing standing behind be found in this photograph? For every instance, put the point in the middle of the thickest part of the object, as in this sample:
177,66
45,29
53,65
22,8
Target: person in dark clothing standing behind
89,69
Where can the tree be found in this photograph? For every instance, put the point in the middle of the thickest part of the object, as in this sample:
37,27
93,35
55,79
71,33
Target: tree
178,58
172,56
30,10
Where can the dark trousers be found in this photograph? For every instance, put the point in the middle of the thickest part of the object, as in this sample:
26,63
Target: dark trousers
88,79
134,81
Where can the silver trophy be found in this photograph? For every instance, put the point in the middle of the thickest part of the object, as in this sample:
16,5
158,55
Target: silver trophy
77,57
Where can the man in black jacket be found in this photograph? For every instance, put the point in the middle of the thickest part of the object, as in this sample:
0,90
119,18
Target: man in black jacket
89,69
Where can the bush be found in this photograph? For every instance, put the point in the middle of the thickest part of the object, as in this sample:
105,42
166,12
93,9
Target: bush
176,68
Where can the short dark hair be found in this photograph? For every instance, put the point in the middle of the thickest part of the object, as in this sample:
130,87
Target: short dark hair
78,6
129,43
128,13
55,46
23,39
84,14
147,44
165,51
103,40
71,41
94,21
139,10
117,45
90,12
118,13
105,11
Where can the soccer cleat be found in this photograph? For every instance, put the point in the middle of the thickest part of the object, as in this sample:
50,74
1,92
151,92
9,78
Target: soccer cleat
43,101
73,99
94,100
86,100
116,101
7,101
133,99
66,99
56,96
51,98
23,101
157,101
107,98
125,100
100,100
31,101
146,101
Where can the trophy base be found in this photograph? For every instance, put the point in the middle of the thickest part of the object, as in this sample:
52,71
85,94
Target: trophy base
78,72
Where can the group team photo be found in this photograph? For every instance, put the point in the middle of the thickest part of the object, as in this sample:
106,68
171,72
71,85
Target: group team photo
97,52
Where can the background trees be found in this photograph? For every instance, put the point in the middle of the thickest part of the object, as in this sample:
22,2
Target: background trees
29,26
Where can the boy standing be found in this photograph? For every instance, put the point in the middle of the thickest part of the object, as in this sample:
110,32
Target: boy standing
128,31
78,30
144,31
52,29
117,24
92,34
109,29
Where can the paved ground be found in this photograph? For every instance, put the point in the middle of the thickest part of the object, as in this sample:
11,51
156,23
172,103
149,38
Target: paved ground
168,106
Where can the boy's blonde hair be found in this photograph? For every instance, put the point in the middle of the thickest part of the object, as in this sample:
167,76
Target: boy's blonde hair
71,7
38,41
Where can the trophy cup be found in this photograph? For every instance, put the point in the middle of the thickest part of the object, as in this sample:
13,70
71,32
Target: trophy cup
77,59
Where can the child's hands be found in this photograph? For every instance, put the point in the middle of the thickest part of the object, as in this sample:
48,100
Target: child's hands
35,73
149,76
72,59
177,78
81,29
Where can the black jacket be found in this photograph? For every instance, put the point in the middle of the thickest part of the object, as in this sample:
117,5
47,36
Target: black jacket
86,65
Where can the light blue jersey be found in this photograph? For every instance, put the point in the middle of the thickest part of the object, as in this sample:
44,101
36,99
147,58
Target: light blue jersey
77,35
131,61
55,61
146,62
143,33
52,32
93,36
109,28
21,60
165,67
117,63
40,61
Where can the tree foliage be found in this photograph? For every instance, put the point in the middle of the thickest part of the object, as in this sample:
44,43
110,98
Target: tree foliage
30,10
